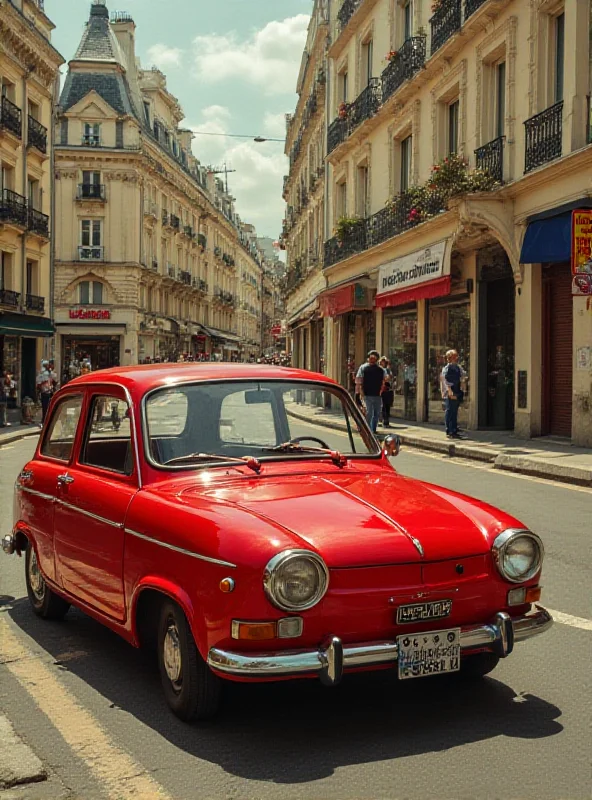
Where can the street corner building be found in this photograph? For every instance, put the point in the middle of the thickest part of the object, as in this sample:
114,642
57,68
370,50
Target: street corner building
29,66
152,260
456,139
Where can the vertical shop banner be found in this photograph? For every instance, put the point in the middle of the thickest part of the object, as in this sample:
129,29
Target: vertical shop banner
581,252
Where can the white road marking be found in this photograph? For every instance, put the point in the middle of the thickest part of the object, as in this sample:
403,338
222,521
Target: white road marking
116,771
574,622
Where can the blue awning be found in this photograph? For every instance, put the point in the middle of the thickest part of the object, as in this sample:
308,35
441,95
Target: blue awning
547,240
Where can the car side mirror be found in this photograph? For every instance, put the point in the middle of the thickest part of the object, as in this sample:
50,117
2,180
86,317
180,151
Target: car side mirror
392,445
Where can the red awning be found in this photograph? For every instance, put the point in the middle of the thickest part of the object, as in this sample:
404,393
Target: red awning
352,297
424,291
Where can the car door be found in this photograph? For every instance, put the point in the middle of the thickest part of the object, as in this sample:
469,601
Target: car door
93,501
37,484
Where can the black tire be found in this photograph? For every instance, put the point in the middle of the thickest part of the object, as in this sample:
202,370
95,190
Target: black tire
479,665
190,687
45,603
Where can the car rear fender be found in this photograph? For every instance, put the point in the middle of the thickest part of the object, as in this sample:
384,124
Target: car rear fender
168,588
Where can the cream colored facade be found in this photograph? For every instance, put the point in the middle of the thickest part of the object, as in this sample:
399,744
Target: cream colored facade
29,67
504,84
304,193
150,251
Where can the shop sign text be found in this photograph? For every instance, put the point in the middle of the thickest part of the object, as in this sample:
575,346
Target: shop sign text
416,268
90,313
581,242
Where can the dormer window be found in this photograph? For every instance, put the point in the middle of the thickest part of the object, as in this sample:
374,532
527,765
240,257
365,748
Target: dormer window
167,140
147,113
91,134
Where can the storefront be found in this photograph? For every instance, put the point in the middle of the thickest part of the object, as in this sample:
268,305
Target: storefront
90,336
449,327
24,340
400,347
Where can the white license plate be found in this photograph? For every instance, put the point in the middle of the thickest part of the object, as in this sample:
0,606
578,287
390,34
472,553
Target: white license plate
430,653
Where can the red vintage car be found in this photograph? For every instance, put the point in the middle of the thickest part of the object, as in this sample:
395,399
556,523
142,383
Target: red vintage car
196,509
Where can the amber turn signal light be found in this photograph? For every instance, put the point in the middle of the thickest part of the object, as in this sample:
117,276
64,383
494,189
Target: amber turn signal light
287,628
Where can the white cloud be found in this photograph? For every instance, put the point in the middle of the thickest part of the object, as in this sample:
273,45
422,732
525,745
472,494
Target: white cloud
165,57
270,58
274,125
257,181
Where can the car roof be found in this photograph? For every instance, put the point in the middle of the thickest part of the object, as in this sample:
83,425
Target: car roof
143,378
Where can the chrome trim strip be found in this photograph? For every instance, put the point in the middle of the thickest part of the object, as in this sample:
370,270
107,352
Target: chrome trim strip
325,661
49,497
180,549
89,514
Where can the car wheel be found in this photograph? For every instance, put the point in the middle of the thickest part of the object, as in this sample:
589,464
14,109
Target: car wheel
45,603
479,665
190,687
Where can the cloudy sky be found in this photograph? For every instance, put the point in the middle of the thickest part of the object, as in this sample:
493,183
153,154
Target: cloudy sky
233,65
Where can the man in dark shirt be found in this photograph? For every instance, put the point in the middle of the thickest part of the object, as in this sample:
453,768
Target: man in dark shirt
369,382
451,379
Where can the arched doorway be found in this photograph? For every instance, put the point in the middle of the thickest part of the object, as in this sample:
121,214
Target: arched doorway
496,339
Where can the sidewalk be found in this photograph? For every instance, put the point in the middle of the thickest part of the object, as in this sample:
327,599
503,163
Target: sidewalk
545,457
16,430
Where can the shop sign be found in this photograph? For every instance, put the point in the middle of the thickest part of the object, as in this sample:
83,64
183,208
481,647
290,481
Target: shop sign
276,330
581,242
346,298
90,313
416,268
581,285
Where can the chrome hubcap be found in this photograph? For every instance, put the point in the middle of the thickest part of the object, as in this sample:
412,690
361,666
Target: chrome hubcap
172,655
35,577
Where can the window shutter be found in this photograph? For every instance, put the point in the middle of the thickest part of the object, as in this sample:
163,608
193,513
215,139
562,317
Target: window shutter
64,131
119,133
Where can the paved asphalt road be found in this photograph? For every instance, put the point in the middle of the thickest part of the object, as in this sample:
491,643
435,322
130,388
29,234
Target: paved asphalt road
524,733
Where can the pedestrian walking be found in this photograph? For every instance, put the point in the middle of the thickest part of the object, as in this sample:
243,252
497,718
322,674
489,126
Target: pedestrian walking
388,394
46,380
6,386
451,381
369,382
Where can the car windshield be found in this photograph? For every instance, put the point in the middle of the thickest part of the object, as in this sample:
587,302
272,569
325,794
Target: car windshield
202,424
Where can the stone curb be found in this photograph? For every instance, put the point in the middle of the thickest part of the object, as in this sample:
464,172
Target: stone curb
18,763
511,463
9,438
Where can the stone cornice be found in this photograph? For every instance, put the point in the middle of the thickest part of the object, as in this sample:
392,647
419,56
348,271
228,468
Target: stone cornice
21,39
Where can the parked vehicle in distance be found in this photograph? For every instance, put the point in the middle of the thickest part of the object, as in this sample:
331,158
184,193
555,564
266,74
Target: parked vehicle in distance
221,525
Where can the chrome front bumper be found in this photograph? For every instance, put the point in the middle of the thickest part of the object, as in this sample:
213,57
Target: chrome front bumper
332,658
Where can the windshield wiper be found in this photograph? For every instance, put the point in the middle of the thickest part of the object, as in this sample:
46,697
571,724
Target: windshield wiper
287,447
248,461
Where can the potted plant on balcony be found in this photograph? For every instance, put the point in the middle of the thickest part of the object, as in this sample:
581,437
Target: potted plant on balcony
391,55
343,110
345,227
437,5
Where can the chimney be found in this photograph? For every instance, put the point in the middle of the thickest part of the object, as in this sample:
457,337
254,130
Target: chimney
124,28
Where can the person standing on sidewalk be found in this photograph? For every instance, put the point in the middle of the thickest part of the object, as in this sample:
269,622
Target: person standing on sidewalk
451,379
370,383
46,380
5,386
388,394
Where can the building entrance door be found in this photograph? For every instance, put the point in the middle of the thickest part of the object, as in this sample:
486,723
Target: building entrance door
557,350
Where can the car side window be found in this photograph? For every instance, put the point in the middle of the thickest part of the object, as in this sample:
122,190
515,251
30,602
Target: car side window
108,440
59,439
244,421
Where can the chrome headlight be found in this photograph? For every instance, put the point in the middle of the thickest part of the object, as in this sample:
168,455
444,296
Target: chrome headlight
518,554
295,580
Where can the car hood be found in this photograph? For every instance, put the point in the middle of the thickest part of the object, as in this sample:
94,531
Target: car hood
356,519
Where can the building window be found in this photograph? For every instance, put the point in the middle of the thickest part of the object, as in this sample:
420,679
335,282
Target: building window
559,57
343,88
341,206
8,90
91,233
91,293
32,273
34,193
453,116
367,56
147,112
500,99
362,193
91,136
407,20
406,151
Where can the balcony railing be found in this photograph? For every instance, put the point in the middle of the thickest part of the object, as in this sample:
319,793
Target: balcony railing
91,140
11,117
185,277
409,59
364,106
38,223
445,23
154,265
9,298
175,222
91,253
202,241
37,134
543,137
91,191
346,12
471,6
490,158
35,303
188,231
381,226
13,208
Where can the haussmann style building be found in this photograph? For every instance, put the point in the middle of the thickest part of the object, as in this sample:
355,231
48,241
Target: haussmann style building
457,148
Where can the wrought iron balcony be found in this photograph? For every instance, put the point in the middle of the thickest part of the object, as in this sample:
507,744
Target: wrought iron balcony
175,222
38,223
445,23
13,208
202,241
543,137
11,117
9,298
471,6
91,140
351,116
188,231
35,303
91,191
91,253
185,277
346,12
36,134
154,265
165,218
409,59
490,158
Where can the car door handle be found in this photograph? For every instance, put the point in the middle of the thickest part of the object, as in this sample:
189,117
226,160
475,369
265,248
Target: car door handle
65,479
